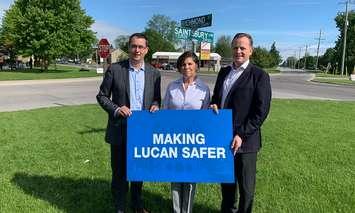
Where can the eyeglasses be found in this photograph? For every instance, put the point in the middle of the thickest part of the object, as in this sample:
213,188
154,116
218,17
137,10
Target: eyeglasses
140,47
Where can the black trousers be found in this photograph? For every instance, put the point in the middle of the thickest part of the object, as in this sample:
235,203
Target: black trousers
245,172
119,184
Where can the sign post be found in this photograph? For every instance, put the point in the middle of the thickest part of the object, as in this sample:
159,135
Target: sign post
104,52
188,31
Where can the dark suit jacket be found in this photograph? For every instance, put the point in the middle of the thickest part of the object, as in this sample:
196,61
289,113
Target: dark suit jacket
249,99
114,92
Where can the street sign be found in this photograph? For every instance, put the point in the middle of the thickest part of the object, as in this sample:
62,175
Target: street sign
185,33
197,22
104,48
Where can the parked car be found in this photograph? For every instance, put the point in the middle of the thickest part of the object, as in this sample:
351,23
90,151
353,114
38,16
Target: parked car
167,66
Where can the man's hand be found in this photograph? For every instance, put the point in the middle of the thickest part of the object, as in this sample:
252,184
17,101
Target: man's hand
153,108
214,107
237,142
124,111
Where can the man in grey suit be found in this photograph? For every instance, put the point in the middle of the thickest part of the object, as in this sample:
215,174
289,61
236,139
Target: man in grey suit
127,86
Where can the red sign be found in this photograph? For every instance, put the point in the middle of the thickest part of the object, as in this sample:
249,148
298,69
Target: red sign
104,48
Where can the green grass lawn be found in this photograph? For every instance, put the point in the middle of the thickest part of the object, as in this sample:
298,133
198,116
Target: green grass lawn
340,81
272,70
56,160
322,74
333,79
58,72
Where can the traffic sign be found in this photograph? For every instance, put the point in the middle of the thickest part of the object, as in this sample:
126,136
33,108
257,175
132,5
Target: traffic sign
185,33
197,22
104,48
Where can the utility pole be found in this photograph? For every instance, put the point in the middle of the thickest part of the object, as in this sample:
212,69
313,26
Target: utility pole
345,33
299,57
305,57
294,61
319,39
344,41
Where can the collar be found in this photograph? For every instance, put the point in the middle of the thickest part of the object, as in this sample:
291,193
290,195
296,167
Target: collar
242,67
198,82
131,68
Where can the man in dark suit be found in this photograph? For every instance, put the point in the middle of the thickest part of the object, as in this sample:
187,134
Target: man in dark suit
127,86
246,90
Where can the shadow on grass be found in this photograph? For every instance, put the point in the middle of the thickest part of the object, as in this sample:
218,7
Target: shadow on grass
92,130
85,195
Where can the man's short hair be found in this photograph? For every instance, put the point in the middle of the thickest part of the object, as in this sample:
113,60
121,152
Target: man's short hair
239,35
138,35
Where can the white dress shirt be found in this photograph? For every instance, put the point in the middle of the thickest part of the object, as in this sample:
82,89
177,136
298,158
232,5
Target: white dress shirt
231,78
196,96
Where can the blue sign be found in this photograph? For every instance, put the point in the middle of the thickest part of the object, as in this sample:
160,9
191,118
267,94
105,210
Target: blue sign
180,146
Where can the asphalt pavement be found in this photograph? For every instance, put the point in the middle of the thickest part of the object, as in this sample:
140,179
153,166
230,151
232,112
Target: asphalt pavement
31,94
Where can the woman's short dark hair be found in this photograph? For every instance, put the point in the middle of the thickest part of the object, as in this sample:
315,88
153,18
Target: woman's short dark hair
138,35
185,55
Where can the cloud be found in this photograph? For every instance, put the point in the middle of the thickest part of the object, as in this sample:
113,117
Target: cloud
106,30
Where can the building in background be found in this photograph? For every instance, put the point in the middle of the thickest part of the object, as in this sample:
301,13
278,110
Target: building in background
162,59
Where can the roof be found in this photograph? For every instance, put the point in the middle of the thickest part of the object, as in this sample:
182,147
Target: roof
175,55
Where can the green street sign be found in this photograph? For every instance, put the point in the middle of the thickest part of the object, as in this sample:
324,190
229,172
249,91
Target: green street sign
187,34
197,22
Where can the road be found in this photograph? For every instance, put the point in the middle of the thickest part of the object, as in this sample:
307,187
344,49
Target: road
20,95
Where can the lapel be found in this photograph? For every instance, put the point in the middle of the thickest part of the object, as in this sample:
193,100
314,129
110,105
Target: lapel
147,84
222,82
236,84
126,78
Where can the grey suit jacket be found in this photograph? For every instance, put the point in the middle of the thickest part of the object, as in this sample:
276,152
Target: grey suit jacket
114,93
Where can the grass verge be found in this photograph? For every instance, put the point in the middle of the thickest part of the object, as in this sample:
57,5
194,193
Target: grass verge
58,72
55,160
339,81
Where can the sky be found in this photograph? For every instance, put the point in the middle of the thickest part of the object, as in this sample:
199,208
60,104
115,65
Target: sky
292,24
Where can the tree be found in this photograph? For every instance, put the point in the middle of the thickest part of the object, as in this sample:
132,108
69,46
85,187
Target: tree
291,62
223,46
122,42
328,59
49,29
261,57
307,62
165,26
274,56
350,43
7,39
157,43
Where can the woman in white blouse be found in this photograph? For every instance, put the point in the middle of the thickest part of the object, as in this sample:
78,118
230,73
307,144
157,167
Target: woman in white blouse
187,92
